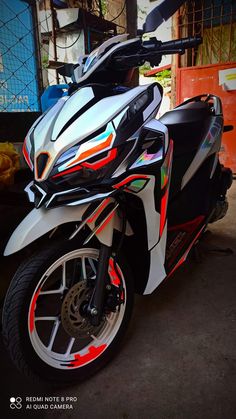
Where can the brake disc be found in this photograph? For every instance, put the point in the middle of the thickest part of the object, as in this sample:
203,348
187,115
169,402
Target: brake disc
73,318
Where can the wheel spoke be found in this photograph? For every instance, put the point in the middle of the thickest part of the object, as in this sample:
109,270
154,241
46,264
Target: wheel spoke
51,292
84,268
46,318
63,285
95,339
91,262
69,347
53,334
109,320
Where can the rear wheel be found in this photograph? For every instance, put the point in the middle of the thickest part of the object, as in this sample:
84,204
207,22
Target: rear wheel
45,325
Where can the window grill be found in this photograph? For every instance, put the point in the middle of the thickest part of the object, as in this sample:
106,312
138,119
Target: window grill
19,87
215,21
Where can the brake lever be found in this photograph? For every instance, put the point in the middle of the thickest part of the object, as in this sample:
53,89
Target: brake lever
127,61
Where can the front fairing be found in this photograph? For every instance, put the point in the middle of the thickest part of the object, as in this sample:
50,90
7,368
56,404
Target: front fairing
100,144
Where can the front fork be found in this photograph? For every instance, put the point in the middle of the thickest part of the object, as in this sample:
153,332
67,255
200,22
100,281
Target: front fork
96,304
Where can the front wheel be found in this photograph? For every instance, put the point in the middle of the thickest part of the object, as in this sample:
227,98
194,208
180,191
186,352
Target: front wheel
45,326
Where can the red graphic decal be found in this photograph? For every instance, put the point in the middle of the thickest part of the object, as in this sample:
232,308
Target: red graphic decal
115,280
177,265
32,310
99,210
97,165
105,222
128,180
165,169
189,226
66,172
164,201
26,155
93,353
95,149
184,257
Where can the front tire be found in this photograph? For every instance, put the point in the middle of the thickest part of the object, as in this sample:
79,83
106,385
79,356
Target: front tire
44,327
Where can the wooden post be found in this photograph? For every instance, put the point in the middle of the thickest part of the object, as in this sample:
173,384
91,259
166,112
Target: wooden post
54,37
132,17
132,24
175,60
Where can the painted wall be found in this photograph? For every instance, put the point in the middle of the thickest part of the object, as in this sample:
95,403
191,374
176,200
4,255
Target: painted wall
193,81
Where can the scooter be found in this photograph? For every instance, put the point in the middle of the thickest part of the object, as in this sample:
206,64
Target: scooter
120,200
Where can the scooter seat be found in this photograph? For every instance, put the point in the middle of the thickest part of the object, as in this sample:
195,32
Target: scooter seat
187,125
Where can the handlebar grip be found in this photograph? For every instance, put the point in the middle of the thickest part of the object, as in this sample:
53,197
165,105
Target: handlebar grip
183,43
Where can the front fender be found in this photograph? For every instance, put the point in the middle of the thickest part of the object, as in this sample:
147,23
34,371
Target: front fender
40,221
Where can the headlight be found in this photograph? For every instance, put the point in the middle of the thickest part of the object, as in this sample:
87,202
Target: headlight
92,154
89,171
68,155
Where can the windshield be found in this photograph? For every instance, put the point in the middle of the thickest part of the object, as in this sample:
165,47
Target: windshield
102,49
91,60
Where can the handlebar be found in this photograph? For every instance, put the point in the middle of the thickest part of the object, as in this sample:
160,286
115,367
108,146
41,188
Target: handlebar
153,50
176,45
182,44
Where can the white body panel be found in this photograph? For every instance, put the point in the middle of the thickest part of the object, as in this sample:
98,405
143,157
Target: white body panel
157,271
74,103
152,217
157,249
41,221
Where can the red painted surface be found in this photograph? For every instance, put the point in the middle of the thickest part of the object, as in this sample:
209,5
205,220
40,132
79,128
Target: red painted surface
32,310
115,280
189,226
164,201
93,353
193,81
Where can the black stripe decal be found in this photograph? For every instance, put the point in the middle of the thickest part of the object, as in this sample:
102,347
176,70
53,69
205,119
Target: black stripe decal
77,115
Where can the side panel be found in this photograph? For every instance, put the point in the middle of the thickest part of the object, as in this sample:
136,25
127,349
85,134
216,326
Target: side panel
157,272
210,145
156,220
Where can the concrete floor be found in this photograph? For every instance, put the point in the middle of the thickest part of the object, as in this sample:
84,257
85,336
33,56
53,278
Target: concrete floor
179,357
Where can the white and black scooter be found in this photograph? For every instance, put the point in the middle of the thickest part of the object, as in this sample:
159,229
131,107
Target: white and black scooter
120,199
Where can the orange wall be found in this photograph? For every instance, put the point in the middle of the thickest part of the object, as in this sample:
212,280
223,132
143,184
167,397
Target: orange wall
193,81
